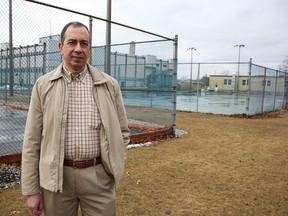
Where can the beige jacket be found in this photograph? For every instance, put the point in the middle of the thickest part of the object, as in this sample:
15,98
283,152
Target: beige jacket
43,147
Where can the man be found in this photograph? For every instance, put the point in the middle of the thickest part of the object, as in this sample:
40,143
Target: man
76,135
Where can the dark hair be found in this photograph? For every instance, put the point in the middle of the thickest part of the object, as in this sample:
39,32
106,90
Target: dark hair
74,24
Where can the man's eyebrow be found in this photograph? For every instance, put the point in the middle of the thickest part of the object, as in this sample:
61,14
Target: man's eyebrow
71,39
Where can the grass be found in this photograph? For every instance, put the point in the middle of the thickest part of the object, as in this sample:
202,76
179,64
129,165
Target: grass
224,166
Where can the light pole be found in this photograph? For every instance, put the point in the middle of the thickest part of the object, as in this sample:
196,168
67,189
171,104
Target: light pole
238,71
191,48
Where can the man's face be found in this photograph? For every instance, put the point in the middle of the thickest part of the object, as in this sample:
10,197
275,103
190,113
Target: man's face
75,49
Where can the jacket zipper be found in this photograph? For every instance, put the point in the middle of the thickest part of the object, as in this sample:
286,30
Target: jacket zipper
60,143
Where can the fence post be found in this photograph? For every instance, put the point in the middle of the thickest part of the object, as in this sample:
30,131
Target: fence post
126,62
6,74
285,86
11,63
20,67
108,38
275,89
249,88
34,64
135,71
44,57
263,91
198,85
174,87
1,70
90,36
28,70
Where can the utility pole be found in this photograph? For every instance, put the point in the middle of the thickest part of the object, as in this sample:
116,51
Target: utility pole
191,48
236,89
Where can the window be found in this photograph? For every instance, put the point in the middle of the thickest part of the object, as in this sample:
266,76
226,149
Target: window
267,83
227,81
245,82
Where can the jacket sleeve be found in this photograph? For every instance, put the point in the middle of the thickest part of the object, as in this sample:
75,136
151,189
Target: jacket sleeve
31,145
122,115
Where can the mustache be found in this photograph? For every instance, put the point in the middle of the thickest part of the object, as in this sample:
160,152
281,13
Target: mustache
77,56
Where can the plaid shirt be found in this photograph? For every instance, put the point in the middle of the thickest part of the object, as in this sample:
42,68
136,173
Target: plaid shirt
82,140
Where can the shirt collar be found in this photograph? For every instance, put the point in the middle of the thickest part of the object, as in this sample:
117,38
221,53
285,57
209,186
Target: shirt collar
79,76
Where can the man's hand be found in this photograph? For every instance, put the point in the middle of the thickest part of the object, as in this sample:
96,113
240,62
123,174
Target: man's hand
35,204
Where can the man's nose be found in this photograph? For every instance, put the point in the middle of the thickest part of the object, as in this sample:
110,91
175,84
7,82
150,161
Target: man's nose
78,47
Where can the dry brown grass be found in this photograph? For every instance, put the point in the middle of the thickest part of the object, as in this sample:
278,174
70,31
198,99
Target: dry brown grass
224,166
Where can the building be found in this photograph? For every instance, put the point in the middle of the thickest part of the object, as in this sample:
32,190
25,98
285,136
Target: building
28,65
259,83
131,71
226,83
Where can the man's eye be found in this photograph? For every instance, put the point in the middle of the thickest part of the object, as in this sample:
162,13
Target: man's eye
71,42
84,43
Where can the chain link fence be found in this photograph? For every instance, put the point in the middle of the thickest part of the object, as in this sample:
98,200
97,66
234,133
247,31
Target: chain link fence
145,65
231,88
267,90
142,62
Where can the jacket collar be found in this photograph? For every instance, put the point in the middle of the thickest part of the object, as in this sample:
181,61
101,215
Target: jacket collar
97,75
57,73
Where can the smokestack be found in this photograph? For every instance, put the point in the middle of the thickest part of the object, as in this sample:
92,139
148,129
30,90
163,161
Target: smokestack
132,48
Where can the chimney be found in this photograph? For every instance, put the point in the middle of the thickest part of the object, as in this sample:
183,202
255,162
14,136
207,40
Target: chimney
132,48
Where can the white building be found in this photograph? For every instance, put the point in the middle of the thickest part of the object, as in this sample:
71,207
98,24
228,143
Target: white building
32,61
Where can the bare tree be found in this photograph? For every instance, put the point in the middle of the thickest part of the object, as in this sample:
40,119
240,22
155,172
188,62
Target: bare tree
284,65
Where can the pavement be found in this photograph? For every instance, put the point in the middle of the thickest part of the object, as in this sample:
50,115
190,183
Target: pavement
12,126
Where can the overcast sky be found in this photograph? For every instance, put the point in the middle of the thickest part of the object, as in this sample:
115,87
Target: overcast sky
212,27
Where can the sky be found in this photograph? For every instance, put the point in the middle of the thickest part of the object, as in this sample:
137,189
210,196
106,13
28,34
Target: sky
212,27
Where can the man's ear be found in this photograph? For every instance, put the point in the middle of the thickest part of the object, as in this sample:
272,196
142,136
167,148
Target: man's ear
60,47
